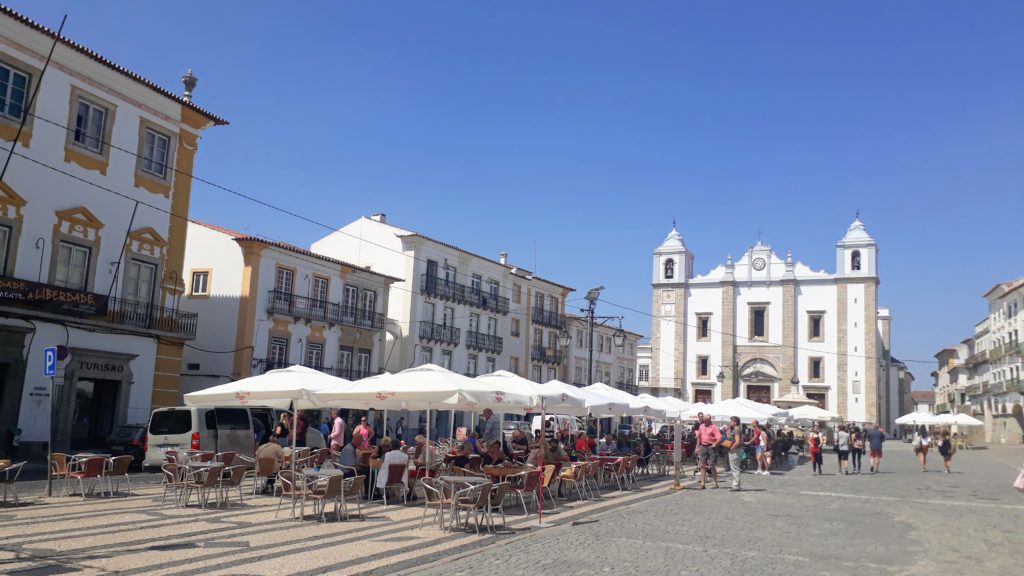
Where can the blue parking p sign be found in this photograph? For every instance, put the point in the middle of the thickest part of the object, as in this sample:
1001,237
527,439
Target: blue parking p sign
50,361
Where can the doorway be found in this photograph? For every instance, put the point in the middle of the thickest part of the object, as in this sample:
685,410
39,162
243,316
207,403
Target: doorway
95,412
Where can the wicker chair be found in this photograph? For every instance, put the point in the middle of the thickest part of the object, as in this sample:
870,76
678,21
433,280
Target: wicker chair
352,489
528,488
174,480
396,480
59,466
91,468
290,489
10,478
475,500
437,496
321,494
118,467
209,483
232,479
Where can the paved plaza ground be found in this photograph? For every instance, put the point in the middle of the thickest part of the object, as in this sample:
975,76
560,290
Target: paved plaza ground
901,521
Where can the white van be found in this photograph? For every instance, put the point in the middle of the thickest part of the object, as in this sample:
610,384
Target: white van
563,422
222,429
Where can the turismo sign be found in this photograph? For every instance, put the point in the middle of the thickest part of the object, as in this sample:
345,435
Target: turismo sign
26,294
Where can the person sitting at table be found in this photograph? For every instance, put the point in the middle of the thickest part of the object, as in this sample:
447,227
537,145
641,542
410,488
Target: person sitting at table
422,455
519,440
388,457
607,444
270,449
552,453
473,441
461,459
494,455
581,448
349,457
537,440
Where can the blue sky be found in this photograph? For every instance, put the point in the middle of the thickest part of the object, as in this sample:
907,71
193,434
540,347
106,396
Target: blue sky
571,134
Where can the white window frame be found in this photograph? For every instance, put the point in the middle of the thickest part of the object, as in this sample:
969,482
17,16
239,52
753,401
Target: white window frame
314,355
446,359
471,364
64,279
85,138
278,353
133,290
426,355
149,163
5,246
6,94
203,278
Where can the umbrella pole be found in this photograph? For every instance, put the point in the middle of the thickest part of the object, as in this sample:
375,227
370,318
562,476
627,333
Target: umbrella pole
677,455
295,423
540,463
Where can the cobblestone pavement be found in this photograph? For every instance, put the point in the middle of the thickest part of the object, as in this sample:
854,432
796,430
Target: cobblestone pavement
130,535
901,521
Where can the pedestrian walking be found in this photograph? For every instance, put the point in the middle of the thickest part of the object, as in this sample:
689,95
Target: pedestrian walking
708,438
856,448
922,442
490,428
875,438
757,441
843,450
337,434
816,441
734,444
946,449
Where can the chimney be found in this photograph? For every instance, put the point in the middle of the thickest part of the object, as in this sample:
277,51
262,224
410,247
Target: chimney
503,258
379,217
190,81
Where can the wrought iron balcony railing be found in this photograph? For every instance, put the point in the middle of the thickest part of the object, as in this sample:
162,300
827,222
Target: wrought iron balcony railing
453,291
439,333
323,311
550,318
484,342
152,317
262,365
546,355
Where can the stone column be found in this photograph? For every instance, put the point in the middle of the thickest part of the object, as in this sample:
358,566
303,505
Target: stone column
787,367
729,338
842,326
871,351
680,352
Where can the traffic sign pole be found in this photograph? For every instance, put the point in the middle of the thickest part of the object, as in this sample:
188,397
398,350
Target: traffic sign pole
50,370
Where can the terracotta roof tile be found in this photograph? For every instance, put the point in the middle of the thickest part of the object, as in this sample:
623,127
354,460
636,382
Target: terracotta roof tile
217,120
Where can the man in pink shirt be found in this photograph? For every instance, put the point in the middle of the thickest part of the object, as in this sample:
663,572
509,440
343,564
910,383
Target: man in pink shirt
337,436
708,438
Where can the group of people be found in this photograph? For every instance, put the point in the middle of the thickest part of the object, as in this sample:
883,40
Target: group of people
850,443
923,442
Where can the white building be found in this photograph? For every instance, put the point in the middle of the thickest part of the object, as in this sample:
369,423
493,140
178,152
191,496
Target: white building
269,305
643,369
612,365
455,308
94,271
981,375
762,326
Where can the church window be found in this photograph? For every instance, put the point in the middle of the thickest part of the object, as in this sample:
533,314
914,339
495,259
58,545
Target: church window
702,366
814,327
855,260
758,327
815,369
703,327
670,269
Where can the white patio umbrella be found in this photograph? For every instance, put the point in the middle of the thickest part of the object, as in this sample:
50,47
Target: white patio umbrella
423,387
637,406
285,388
282,388
917,419
811,413
958,419
672,411
746,410
599,405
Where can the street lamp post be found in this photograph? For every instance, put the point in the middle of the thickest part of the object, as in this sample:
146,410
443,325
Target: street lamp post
618,338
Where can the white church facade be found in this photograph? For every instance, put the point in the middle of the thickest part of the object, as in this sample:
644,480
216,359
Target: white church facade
762,326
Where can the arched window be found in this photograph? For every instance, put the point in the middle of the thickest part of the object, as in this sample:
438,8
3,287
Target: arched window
855,260
670,269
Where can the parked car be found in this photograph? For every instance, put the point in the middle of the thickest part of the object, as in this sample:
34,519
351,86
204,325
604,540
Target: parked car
510,426
128,440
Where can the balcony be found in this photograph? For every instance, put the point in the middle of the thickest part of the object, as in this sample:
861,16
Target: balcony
628,387
549,318
546,355
484,342
486,300
452,291
978,358
261,366
941,408
54,301
300,307
439,333
974,389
